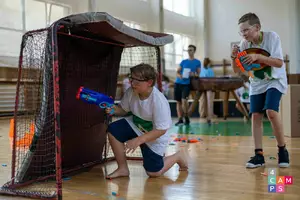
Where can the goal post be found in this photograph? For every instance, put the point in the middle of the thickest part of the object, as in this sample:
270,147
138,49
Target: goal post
54,133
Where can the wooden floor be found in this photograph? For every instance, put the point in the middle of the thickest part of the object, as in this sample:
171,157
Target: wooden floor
217,172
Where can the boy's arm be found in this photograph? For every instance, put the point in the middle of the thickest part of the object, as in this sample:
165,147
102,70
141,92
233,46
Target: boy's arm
269,61
178,72
276,55
198,70
151,135
119,111
179,69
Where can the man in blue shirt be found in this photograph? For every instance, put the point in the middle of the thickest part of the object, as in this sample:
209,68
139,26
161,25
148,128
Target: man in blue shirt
187,68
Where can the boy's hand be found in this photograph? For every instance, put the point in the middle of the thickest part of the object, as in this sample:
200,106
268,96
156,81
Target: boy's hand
250,58
108,110
131,145
179,76
235,50
193,74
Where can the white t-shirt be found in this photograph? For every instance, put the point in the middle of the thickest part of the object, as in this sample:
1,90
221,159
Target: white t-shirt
272,77
243,93
151,113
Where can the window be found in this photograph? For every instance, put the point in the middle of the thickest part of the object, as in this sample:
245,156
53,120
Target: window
134,55
38,14
10,43
11,14
182,7
176,51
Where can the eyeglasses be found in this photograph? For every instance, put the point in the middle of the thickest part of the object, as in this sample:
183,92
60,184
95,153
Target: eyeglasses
136,80
246,30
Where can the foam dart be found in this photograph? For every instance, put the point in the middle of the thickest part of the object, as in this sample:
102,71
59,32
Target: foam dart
193,141
11,128
25,141
183,138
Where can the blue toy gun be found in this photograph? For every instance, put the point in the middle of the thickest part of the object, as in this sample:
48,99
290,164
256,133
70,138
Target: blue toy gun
92,97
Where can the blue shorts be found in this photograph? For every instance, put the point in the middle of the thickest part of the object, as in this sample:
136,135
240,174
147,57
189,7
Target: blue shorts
268,100
123,132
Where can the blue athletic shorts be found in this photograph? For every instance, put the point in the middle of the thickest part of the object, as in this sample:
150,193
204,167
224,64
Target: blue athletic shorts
268,100
123,132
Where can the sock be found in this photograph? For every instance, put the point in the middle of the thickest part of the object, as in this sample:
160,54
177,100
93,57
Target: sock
258,150
281,148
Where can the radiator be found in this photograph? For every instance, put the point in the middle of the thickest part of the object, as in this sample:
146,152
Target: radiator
7,97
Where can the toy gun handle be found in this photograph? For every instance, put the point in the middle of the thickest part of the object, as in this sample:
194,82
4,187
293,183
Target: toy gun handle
105,105
239,63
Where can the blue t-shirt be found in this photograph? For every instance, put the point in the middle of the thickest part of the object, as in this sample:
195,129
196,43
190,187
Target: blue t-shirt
206,72
193,65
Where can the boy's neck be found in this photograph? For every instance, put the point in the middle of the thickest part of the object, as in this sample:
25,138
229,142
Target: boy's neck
258,39
191,57
146,94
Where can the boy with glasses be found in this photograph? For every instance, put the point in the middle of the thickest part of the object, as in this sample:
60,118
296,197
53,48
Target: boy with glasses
187,68
266,87
146,126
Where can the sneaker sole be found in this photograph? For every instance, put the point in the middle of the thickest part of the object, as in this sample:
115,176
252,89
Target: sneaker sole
180,124
284,165
250,165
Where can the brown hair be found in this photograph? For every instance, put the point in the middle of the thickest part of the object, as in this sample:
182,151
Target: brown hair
251,18
206,62
145,72
192,46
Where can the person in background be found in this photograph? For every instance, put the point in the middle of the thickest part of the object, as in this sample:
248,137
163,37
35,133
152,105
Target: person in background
126,83
243,93
206,106
188,68
165,85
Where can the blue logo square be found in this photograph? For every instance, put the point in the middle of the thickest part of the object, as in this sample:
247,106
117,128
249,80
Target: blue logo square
272,188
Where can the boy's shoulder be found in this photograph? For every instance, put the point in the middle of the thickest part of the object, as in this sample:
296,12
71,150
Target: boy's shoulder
196,60
158,95
271,35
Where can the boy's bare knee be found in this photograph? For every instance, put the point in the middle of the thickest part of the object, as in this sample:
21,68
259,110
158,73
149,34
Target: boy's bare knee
257,116
154,174
271,114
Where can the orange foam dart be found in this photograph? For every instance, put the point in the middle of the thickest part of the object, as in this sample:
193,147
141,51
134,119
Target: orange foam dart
177,139
183,138
11,128
26,140
193,141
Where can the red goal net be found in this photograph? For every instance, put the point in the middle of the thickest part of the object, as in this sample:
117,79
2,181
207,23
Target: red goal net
54,133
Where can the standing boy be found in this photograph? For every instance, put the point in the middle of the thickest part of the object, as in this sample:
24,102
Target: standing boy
266,87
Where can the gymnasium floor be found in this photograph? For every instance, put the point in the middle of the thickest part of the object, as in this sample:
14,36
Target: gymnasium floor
217,169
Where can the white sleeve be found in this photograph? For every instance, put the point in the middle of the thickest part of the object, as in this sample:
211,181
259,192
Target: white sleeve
275,44
161,114
125,101
243,45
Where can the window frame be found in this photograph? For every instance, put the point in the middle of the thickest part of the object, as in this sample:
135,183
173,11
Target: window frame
175,54
23,30
190,8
